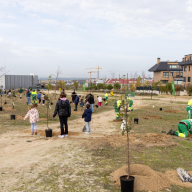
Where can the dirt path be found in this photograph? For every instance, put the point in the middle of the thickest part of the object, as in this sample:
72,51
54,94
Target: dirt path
20,152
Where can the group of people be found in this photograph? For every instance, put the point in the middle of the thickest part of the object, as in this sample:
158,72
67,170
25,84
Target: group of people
63,110
34,96
89,99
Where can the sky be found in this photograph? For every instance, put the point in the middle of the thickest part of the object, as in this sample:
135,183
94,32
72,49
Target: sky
121,36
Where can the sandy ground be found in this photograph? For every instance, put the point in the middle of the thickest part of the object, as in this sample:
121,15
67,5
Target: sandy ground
21,153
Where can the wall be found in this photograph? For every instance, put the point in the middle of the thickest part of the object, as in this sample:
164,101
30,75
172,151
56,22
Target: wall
2,82
17,81
157,76
187,74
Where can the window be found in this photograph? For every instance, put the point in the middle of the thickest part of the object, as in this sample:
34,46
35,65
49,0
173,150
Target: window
181,74
189,68
164,81
185,69
171,73
184,80
172,66
189,79
165,75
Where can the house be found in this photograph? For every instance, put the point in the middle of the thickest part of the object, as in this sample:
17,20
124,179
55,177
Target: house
167,71
186,64
120,81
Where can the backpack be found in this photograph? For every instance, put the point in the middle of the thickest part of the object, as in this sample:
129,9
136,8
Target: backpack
39,96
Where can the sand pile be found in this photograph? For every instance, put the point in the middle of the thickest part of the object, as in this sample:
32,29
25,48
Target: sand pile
146,179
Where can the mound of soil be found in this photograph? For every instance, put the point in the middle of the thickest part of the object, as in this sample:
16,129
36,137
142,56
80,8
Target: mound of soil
54,133
19,117
146,179
118,120
8,109
151,117
77,112
173,111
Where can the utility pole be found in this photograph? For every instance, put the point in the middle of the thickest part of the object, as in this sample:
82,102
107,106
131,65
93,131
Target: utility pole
127,83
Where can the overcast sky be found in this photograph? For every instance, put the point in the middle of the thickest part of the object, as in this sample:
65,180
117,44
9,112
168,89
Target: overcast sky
121,36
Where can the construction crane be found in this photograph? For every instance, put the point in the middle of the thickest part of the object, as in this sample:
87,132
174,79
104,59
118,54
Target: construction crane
90,74
97,72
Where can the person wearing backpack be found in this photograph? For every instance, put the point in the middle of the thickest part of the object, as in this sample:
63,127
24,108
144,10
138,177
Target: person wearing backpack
39,98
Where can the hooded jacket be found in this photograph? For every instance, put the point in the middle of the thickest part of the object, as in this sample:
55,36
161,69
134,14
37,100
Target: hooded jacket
90,99
33,115
87,115
62,108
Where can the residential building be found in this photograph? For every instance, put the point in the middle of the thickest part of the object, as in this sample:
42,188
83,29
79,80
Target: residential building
120,81
167,71
187,69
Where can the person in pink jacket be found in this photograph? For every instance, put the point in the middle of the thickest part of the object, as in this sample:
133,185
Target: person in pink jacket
33,118
99,101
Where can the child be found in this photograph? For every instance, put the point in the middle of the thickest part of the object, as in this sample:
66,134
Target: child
33,118
81,104
43,98
99,101
87,115
39,98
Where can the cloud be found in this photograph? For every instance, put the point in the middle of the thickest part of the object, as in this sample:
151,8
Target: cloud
133,18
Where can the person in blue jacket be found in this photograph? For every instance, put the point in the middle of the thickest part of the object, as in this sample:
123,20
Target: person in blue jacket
77,101
87,117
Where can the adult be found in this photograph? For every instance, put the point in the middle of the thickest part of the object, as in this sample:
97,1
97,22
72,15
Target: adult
34,96
77,101
20,91
189,109
91,101
99,101
63,109
130,103
73,95
183,127
106,98
117,107
28,96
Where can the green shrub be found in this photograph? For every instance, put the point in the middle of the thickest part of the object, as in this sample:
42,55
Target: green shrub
109,87
117,86
189,90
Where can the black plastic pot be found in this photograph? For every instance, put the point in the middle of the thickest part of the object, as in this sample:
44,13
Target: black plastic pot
48,132
160,109
127,185
51,103
5,102
1,108
136,120
12,117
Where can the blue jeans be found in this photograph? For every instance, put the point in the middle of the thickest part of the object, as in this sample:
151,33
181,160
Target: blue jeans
33,125
92,107
28,100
